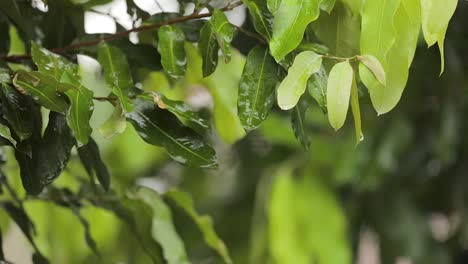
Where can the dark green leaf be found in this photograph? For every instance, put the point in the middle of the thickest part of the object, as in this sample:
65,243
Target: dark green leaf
48,62
204,223
171,47
6,133
40,87
261,16
16,110
208,49
91,159
22,220
298,122
117,73
257,88
161,128
12,10
317,87
115,124
37,258
2,255
224,32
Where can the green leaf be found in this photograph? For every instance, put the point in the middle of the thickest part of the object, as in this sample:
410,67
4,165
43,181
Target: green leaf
338,93
117,73
273,5
91,159
327,5
162,228
16,110
204,222
208,47
298,123
171,47
356,112
289,24
293,86
115,124
436,15
261,17
42,88
224,32
49,62
257,88
161,128
317,87
5,132
374,66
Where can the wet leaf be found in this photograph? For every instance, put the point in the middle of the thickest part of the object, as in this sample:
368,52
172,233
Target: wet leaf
317,87
91,159
171,47
16,109
298,123
261,16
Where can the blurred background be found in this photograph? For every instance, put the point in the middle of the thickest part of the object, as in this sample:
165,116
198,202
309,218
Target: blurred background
400,196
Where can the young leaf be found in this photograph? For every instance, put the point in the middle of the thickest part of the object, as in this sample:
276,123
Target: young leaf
161,128
317,87
91,159
16,110
117,73
208,47
162,227
204,222
356,112
224,32
327,5
42,89
338,93
289,24
273,5
171,47
6,133
436,15
257,88
261,17
374,66
293,86
298,123
116,124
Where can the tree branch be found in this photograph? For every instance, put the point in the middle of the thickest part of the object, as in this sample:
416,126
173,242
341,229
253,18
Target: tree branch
61,50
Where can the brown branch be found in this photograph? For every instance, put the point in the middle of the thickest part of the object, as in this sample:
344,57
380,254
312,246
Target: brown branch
90,43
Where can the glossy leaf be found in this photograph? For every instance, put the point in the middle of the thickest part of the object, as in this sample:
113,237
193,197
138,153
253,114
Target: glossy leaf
317,87
224,32
436,15
338,93
294,85
161,128
289,24
298,123
356,112
162,228
261,17
6,133
208,47
41,88
204,222
374,66
16,109
171,47
257,88
117,73
49,62
91,159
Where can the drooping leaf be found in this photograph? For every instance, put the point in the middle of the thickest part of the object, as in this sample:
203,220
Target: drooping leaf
42,88
317,87
163,229
49,62
224,32
261,16
436,15
204,222
115,124
338,93
6,133
91,159
161,128
257,88
289,24
171,47
16,109
356,112
208,47
298,123
374,66
117,73
293,86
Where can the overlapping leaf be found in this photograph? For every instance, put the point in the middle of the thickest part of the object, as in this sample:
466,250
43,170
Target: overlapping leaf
91,159
261,16
298,123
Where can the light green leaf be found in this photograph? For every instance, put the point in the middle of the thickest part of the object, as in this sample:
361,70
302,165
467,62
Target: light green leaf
356,112
162,227
374,66
293,86
42,88
298,123
204,222
273,5
436,15
338,93
317,87
6,133
257,88
327,5
261,17
289,24
224,32
117,73
171,48
116,124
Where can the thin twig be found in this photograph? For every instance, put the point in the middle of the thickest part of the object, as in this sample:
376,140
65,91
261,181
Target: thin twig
90,43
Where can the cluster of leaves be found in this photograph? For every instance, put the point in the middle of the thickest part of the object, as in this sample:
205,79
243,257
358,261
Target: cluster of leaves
333,51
